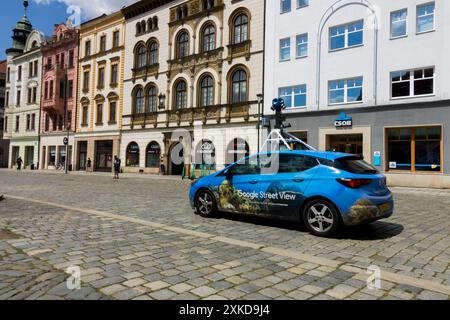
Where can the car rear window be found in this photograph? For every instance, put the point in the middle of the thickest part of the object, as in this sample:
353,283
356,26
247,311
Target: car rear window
355,164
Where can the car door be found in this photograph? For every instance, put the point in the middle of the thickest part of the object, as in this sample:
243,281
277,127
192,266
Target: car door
239,192
283,192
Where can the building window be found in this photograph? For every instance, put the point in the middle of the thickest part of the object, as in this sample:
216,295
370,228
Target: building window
153,53
19,74
116,39
71,58
60,122
132,156
87,48
33,122
30,69
84,121
208,4
17,123
302,3
112,112
101,77
141,54
61,88
114,68
63,60
8,75
183,45
7,99
346,35
302,45
28,122
86,81
239,86
19,93
99,114
29,97
52,156
285,6
34,99
414,149
152,99
6,124
412,83
285,49
425,17
208,38
240,29
181,95
294,96
102,43
398,23
55,122
152,155
207,91
139,101
69,120
70,88
345,91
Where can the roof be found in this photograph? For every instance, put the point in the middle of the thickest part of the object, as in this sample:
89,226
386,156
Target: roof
3,66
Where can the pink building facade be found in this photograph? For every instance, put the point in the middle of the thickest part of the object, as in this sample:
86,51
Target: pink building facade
60,70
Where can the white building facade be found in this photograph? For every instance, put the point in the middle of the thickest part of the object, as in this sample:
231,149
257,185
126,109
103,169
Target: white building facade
193,70
365,77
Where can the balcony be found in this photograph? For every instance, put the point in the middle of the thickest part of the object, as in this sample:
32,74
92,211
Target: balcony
239,50
213,56
193,9
145,72
143,119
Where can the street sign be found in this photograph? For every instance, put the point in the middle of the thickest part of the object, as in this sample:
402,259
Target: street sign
66,141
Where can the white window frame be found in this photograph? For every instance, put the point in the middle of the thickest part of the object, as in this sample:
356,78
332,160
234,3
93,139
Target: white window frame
297,43
299,6
281,49
398,21
346,87
412,83
417,17
292,95
281,6
346,34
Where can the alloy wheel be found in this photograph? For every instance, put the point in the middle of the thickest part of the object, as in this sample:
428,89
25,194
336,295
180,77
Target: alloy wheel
320,217
205,203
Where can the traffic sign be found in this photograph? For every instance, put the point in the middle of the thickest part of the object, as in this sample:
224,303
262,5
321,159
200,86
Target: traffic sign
66,141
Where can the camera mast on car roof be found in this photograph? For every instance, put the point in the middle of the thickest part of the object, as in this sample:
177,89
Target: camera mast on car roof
278,138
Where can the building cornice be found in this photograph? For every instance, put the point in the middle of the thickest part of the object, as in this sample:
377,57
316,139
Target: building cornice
142,7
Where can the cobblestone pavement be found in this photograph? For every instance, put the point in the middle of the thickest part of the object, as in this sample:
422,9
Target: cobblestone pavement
139,239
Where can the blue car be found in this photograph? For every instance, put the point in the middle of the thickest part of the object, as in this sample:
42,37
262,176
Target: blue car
324,190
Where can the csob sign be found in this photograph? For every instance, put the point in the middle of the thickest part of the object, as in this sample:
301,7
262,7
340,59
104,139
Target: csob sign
66,141
343,121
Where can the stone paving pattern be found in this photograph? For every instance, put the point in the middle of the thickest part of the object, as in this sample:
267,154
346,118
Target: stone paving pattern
125,260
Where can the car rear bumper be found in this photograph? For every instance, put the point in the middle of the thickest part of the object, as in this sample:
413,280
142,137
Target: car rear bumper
368,209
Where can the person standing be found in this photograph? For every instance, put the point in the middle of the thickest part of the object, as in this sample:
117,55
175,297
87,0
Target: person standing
117,163
19,163
89,163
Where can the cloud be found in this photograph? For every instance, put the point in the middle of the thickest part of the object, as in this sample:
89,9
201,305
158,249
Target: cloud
92,8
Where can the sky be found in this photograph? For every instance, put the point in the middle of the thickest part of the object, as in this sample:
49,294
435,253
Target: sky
44,14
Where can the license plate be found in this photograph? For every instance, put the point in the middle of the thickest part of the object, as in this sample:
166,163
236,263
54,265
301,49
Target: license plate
384,207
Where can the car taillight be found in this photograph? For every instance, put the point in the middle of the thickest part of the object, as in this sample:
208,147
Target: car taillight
354,183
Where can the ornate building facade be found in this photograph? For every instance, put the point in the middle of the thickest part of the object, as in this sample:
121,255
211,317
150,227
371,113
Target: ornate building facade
100,92
59,87
193,72
23,93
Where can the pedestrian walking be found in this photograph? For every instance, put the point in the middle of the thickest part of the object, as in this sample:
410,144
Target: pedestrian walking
19,163
89,163
117,163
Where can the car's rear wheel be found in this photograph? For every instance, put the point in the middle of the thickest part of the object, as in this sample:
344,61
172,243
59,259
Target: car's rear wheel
321,218
205,203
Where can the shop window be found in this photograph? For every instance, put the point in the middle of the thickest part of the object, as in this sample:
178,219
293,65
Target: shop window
52,156
414,149
205,155
237,149
152,155
132,159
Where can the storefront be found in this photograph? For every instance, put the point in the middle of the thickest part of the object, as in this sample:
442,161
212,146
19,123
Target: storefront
53,152
27,150
406,142
100,150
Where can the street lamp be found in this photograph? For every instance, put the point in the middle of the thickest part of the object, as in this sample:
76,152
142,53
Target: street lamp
260,98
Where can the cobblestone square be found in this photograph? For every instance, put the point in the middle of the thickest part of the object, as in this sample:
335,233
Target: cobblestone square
138,238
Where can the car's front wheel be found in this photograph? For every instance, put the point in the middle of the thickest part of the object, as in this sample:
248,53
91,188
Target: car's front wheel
205,203
321,218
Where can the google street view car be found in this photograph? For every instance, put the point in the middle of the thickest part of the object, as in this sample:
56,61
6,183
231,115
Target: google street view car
322,189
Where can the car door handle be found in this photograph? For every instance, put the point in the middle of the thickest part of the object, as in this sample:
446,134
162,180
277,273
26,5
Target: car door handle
298,180
253,182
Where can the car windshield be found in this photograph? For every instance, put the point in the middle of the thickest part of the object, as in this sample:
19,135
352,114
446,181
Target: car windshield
354,164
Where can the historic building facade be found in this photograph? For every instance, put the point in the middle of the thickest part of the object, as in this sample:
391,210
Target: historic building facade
4,144
365,77
58,103
23,93
193,72
100,92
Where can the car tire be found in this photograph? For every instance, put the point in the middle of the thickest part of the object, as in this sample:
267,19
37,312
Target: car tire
205,203
321,218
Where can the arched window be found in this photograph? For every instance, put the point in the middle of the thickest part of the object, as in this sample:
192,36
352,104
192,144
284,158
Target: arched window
182,45
237,149
208,38
180,94
139,103
132,159
152,155
205,155
207,91
239,86
153,53
240,29
141,57
152,99
143,26
150,24
138,28
34,44
155,22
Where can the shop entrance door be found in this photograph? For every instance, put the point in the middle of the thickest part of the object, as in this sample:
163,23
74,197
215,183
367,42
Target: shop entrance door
82,155
103,155
29,156
176,168
15,155
347,143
